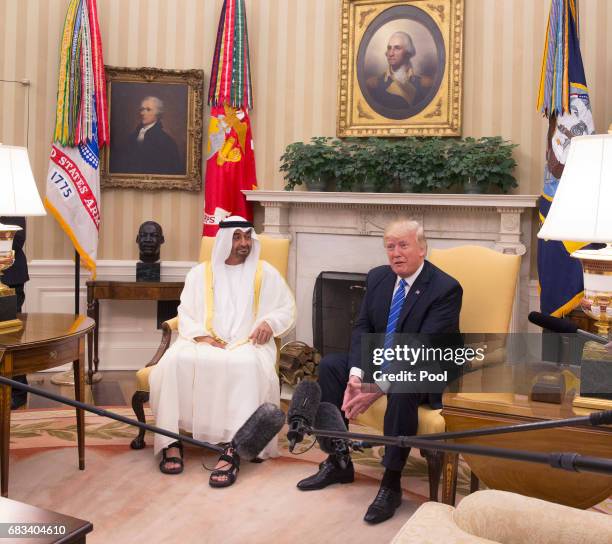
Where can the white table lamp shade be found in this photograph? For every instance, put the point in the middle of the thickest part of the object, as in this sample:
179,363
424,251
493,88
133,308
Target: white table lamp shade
18,193
582,208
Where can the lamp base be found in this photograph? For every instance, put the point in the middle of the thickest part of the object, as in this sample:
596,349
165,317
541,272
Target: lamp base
11,325
8,304
597,301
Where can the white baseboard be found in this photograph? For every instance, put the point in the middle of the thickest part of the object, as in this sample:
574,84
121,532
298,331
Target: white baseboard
128,336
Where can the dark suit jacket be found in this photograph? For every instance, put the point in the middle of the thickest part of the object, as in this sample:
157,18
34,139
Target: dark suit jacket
156,154
432,306
18,273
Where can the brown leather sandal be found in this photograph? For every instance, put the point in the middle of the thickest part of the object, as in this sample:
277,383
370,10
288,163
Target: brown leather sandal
178,460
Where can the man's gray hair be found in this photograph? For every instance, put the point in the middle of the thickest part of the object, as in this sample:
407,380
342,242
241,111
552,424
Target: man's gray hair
159,104
408,44
404,225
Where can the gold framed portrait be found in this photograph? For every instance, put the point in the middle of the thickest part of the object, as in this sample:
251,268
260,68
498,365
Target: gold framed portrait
155,118
401,68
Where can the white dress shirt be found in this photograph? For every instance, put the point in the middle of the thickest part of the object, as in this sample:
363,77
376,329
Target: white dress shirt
143,131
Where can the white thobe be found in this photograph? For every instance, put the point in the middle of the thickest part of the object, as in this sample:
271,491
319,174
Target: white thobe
211,391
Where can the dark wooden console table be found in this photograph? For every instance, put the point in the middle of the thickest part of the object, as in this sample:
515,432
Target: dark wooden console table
22,523
122,290
45,341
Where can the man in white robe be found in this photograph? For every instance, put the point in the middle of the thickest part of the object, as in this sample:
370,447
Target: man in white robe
222,367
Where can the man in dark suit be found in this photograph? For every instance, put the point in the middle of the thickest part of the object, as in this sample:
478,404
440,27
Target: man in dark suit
15,277
410,295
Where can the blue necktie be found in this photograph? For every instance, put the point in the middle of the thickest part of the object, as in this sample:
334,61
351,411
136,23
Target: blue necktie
394,313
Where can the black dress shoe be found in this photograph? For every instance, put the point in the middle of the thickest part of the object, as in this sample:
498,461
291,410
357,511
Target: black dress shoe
329,473
384,505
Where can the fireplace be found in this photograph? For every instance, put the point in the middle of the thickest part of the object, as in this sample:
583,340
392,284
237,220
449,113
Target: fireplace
336,301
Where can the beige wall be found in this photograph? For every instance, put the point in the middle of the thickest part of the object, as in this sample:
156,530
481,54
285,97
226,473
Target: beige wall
294,51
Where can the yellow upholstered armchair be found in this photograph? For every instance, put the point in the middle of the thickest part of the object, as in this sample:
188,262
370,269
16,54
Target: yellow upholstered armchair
488,279
273,250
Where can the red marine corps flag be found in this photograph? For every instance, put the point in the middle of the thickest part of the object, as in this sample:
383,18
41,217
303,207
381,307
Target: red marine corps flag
230,160
81,129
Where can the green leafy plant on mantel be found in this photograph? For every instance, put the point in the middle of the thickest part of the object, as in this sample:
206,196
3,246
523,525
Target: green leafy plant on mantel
313,163
400,165
482,165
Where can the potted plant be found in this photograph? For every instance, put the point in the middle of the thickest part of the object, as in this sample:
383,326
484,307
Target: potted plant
482,164
369,156
404,164
424,165
313,164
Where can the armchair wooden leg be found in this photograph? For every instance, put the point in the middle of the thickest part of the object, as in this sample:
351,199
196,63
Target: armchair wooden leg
434,469
138,400
449,485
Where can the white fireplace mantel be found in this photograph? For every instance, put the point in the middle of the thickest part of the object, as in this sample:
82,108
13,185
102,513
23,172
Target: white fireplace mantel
343,231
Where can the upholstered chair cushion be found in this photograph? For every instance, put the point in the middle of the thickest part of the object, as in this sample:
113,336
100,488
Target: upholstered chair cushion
515,519
492,516
433,523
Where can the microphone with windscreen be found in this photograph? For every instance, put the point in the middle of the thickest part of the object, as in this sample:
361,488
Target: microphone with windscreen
563,326
329,418
302,411
261,427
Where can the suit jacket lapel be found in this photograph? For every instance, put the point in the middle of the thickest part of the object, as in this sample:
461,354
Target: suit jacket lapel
416,291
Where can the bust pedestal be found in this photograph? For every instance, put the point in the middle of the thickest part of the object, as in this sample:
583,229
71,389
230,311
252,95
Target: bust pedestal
147,271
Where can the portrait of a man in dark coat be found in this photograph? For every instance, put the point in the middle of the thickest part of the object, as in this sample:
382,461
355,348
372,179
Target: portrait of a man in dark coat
149,149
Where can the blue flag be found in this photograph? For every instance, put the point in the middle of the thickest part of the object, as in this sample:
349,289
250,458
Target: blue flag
564,99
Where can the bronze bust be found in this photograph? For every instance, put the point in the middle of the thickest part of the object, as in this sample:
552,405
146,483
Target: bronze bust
150,238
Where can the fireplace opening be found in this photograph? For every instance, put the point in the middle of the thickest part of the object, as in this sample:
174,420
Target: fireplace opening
336,302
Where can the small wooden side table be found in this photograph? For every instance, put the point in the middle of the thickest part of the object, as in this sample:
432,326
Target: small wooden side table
18,519
122,290
46,340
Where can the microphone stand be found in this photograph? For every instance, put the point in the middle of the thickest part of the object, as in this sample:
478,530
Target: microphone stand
572,462
111,415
